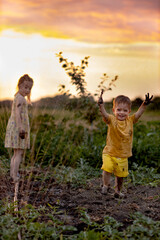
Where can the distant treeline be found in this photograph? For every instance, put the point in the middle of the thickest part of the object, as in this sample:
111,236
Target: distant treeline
64,101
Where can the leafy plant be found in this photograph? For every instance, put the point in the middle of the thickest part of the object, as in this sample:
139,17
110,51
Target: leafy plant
143,228
31,223
102,85
146,140
144,176
76,73
77,76
76,177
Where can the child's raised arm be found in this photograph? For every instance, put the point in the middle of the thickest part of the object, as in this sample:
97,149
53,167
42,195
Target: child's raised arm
142,108
101,107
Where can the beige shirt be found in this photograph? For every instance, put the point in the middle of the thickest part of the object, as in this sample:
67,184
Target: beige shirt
119,137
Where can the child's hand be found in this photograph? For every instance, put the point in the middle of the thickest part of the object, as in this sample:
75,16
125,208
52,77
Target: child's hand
148,99
22,134
100,100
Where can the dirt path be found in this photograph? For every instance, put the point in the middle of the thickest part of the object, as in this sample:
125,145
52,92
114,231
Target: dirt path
145,199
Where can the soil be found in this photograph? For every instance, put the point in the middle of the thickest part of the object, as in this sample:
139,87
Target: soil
69,200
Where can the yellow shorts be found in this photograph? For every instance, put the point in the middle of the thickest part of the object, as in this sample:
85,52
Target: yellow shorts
118,166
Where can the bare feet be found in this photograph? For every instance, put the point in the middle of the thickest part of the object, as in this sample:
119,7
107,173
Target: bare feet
119,195
107,190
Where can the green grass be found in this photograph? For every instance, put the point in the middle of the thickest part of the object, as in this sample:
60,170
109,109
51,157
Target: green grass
63,138
43,223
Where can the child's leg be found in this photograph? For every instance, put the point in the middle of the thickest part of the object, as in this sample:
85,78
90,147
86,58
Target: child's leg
106,178
16,162
12,164
107,170
106,181
118,184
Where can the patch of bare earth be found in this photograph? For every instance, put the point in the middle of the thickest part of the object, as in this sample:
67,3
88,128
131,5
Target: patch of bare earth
145,199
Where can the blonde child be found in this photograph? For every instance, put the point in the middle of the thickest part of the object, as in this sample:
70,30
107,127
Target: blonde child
18,131
119,140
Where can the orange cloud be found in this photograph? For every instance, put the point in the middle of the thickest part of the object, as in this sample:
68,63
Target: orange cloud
85,20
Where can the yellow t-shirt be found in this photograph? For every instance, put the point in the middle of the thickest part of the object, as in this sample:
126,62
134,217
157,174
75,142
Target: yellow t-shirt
119,137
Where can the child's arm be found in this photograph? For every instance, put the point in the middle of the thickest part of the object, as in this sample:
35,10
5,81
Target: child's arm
101,107
19,117
143,106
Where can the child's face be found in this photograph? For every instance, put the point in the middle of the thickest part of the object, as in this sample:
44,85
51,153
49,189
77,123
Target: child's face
121,111
25,88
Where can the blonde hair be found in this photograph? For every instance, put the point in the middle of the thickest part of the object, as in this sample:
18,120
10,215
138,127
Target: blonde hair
122,99
27,78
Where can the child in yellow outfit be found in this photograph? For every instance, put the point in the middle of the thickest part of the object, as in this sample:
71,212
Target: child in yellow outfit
119,140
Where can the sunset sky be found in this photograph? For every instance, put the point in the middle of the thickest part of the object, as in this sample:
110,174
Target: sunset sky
122,37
